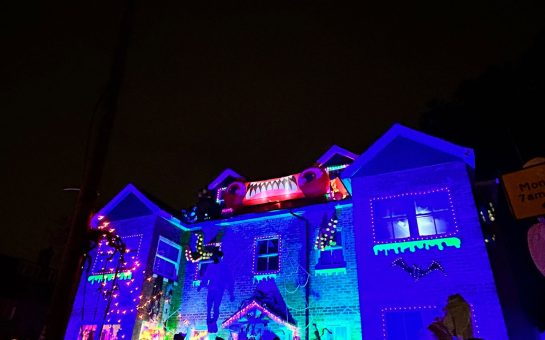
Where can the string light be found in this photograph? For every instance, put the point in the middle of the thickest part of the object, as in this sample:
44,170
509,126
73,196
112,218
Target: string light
255,305
409,194
385,310
200,254
259,275
327,234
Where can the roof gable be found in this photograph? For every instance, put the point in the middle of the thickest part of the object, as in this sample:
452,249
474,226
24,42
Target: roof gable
128,203
226,176
268,301
336,156
255,311
401,148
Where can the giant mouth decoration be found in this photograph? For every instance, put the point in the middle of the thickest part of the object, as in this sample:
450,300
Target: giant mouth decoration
274,187
312,182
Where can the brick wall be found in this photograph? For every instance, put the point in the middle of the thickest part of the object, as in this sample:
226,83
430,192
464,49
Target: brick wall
332,300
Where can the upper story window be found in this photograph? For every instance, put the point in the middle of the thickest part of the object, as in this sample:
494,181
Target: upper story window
267,259
167,259
107,259
413,215
330,244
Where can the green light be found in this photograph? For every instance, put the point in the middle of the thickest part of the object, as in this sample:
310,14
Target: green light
259,277
336,167
330,271
109,277
398,247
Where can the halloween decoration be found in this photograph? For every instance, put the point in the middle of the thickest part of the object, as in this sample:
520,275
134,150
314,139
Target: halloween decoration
415,271
456,323
312,182
536,244
217,278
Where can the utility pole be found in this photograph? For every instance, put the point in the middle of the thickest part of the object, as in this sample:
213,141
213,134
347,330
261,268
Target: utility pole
72,261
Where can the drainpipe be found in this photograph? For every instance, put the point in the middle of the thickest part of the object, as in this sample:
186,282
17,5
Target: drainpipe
307,270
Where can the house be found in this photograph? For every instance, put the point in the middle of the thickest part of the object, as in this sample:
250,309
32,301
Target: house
419,237
130,278
376,246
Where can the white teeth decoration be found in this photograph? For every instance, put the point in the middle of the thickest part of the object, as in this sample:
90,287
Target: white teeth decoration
284,183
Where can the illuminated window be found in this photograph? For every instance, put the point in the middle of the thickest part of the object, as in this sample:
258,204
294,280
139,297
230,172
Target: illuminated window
167,259
267,257
109,332
413,215
87,332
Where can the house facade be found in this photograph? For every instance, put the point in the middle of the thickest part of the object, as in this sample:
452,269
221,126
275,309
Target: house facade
129,284
382,245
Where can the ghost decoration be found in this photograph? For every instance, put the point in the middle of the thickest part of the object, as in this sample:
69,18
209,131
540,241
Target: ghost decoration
536,244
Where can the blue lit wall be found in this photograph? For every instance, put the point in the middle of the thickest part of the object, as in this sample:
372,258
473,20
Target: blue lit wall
89,304
358,288
333,297
388,294
140,234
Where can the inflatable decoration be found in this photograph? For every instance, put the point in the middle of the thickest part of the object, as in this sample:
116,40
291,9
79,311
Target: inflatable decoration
536,245
234,194
312,182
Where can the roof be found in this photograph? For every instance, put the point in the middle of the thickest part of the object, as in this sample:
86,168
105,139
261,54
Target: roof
410,146
132,202
253,306
222,177
333,151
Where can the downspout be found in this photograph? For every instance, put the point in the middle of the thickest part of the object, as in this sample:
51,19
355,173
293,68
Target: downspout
307,270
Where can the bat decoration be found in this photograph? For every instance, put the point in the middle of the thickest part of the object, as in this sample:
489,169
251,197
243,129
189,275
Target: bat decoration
415,271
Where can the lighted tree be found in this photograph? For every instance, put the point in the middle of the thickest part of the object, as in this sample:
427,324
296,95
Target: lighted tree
327,234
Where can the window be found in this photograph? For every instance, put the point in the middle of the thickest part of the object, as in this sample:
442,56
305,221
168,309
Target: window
337,333
267,259
167,259
413,215
107,258
332,256
407,324
109,332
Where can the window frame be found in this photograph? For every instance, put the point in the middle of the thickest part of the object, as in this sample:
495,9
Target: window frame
257,255
133,254
411,199
320,265
157,255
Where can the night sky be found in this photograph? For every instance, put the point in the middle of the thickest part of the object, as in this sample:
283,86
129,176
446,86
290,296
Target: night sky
264,88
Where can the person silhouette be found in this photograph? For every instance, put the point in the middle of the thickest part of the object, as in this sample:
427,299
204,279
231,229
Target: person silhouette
217,278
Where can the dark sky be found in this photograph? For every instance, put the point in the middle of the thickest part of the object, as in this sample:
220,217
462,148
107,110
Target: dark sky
262,87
